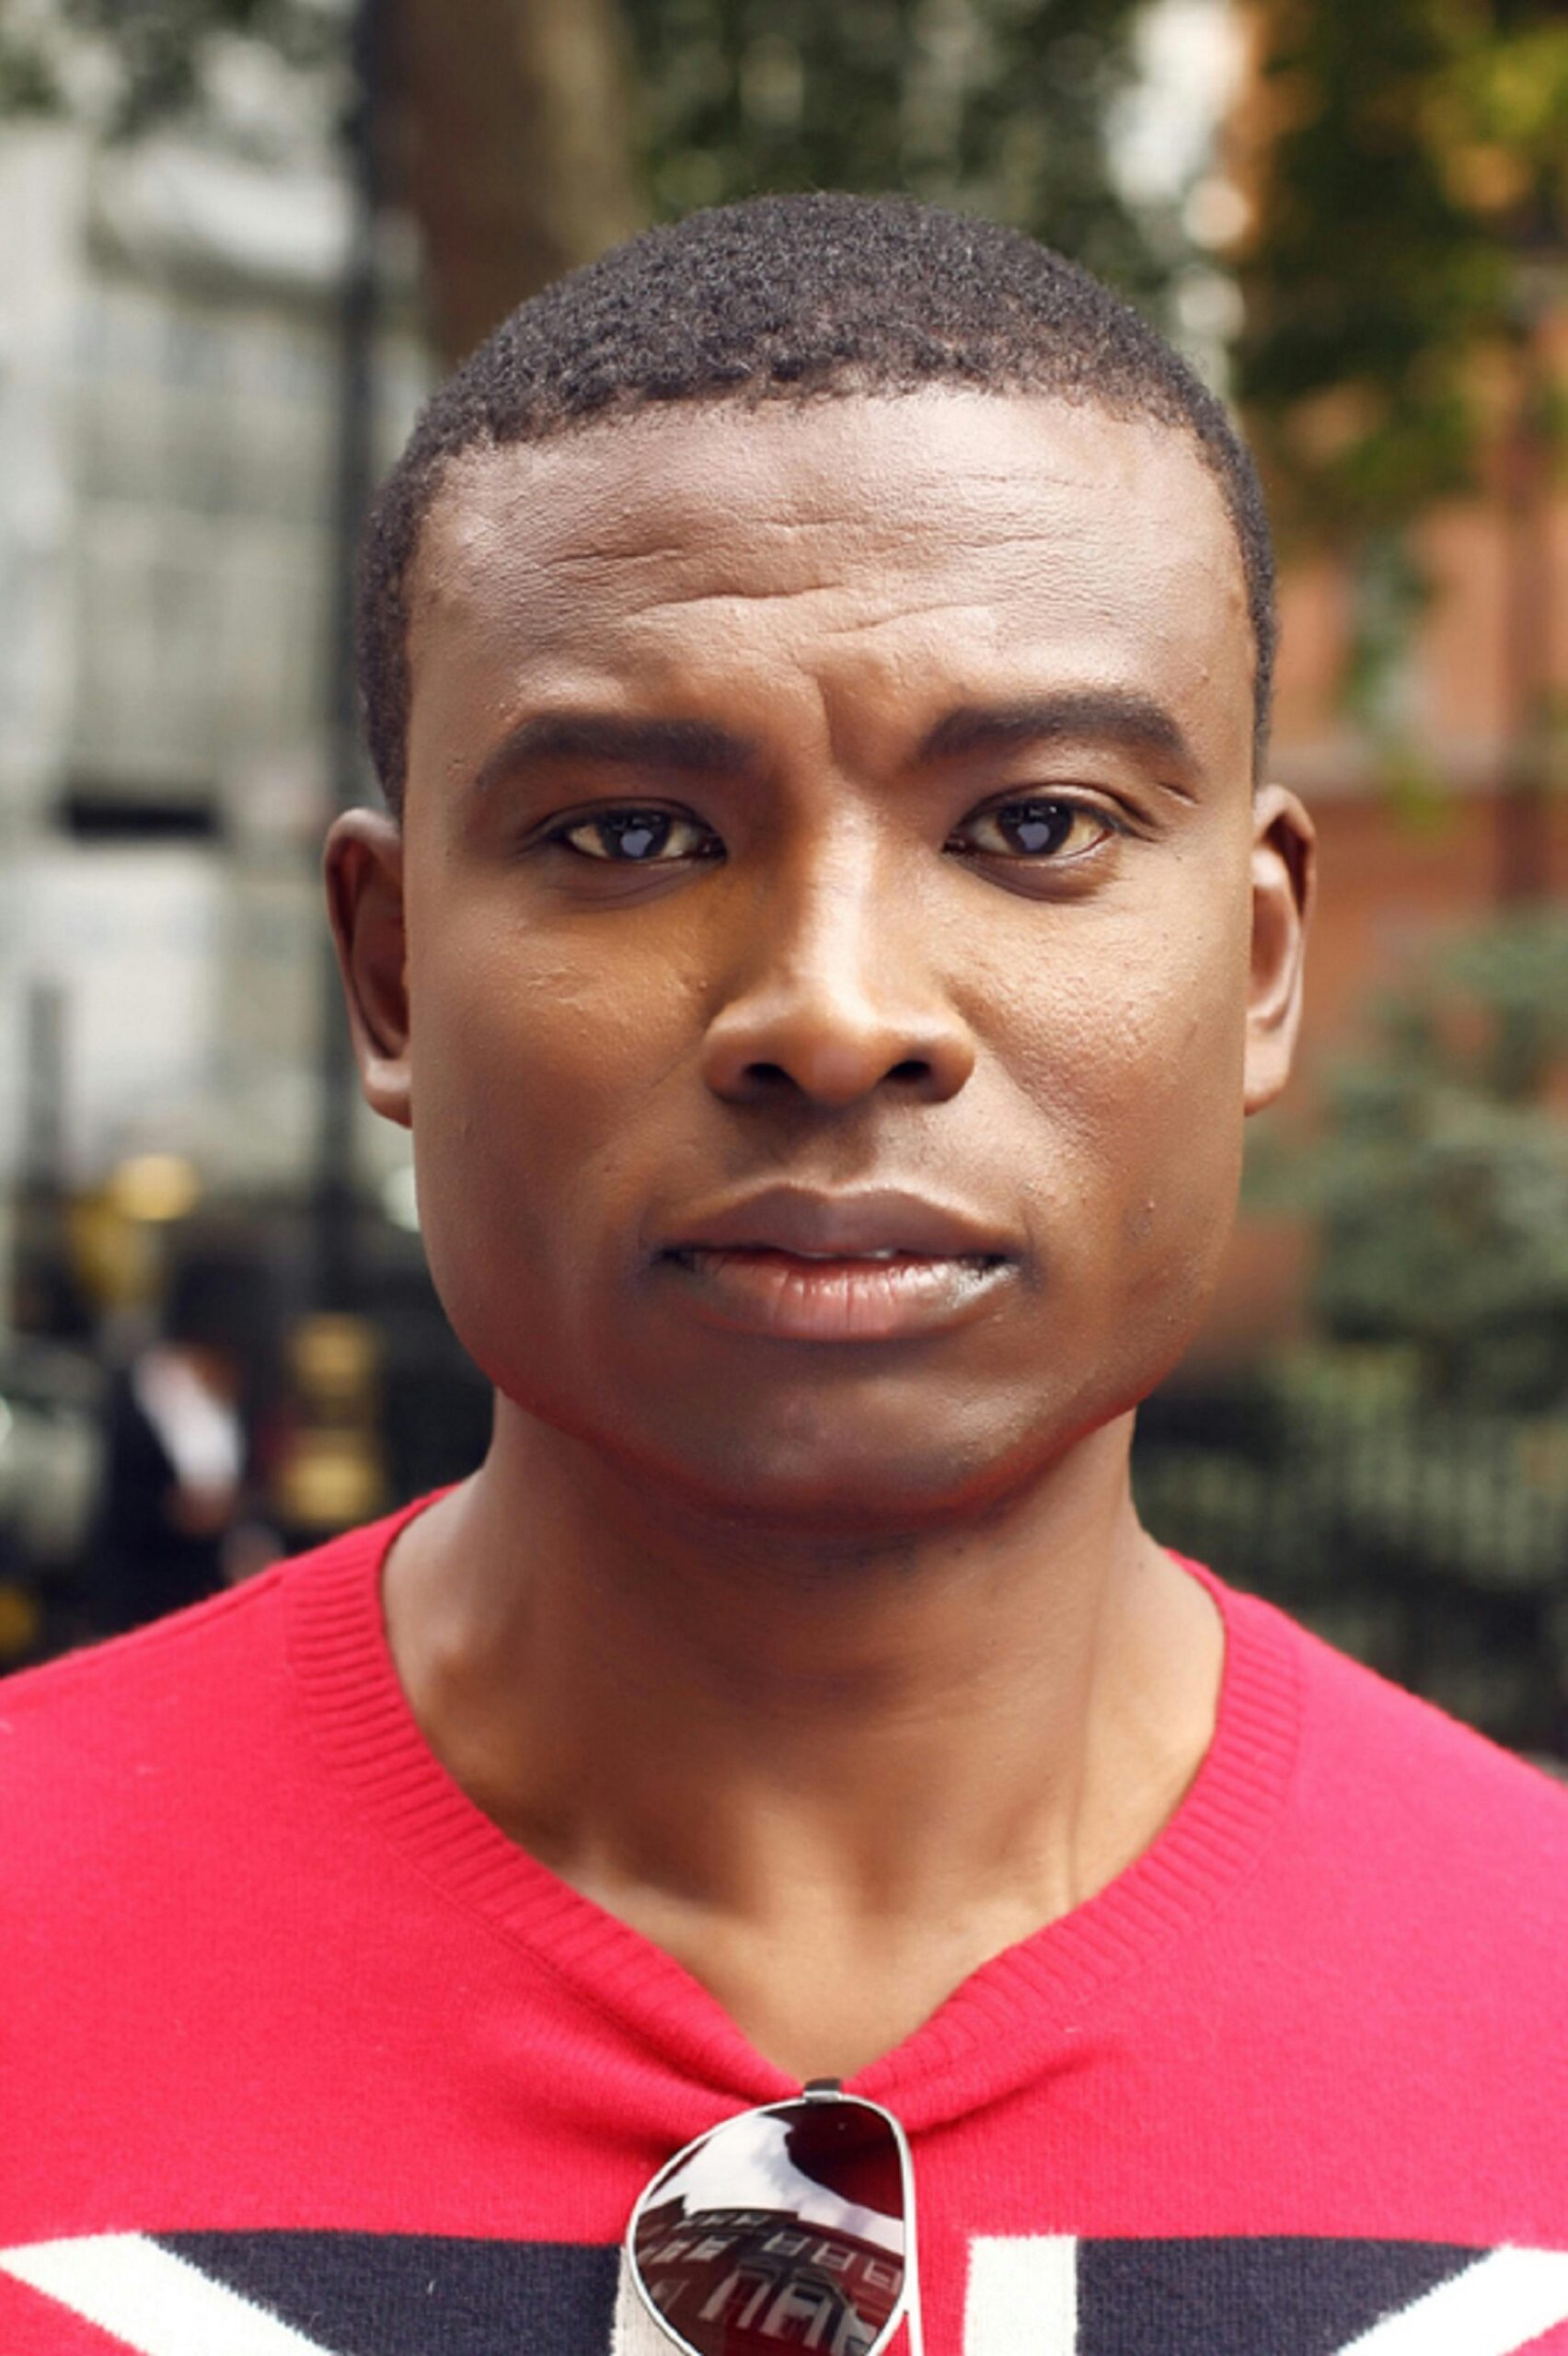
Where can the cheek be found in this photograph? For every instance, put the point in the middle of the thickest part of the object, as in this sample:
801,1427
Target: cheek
1180,1156
533,1061
1132,1063
521,1043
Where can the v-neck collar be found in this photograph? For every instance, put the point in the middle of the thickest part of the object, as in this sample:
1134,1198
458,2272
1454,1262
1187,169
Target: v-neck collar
1011,2020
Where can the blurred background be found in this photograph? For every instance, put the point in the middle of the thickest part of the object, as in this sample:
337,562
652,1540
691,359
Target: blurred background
239,239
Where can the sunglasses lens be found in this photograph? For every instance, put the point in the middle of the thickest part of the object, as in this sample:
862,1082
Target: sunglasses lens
784,2228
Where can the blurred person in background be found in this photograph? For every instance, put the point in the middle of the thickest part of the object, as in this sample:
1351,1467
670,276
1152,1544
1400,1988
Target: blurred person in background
179,1516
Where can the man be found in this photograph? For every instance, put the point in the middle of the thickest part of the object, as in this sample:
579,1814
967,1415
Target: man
829,928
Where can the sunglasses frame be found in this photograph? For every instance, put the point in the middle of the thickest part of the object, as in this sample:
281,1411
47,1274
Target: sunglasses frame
905,2307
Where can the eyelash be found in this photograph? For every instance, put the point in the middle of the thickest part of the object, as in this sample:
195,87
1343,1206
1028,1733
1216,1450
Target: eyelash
626,812
1067,804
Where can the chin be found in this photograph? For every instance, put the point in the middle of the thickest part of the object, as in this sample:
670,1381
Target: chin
835,1485
839,1453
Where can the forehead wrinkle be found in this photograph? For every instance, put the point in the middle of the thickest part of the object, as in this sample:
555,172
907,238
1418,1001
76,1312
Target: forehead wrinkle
872,613
496,536
791,455
501,495
743,537
1050,569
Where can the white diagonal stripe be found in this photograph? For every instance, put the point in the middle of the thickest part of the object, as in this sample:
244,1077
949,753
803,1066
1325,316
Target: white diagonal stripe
634,2332
1499,2305
157,2303
1022,2296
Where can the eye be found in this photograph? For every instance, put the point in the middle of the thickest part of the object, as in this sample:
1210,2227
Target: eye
632,835
1035,826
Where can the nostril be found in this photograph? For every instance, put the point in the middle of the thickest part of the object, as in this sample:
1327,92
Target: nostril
913,1069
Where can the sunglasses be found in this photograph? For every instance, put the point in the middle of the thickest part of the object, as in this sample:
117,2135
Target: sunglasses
792,2224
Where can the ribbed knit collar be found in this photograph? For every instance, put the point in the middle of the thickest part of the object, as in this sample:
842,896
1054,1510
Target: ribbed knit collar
1015,2017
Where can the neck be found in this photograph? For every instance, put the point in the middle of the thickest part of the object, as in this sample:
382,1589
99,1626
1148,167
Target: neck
934,1742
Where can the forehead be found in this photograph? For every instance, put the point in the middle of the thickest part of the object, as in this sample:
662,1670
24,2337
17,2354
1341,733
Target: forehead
934,543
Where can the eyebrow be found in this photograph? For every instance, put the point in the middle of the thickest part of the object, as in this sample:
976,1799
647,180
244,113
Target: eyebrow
698,748
691,747
1112,715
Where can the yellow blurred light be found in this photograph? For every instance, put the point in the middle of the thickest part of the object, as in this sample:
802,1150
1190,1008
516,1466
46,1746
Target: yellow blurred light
155,1187
19,1620
331,1480
336,1359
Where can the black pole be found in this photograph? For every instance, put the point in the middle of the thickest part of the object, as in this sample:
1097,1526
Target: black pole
42,1289
335,1275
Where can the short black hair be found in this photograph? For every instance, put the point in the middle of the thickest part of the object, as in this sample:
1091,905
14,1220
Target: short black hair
792,298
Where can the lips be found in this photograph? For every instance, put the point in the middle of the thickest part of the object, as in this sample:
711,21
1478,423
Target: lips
792,1264
875,1225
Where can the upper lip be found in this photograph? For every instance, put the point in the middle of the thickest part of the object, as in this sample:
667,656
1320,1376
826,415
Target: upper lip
825,1226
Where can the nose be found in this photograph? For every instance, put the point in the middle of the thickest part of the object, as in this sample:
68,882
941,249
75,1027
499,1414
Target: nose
834,999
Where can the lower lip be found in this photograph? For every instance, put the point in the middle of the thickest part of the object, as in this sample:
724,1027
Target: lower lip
789,1299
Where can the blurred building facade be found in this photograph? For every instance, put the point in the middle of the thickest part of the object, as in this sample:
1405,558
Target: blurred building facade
167,401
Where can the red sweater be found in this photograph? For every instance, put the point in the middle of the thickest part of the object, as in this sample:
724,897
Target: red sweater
299,2052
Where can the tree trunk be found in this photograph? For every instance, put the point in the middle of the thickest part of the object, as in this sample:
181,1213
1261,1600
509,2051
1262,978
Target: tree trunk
511,145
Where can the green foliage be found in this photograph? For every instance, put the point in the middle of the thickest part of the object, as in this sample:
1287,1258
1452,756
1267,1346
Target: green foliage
158,46
1442,1185
1402,1482
1411,239
154,53
28,83
998,106
1417,176
1506,99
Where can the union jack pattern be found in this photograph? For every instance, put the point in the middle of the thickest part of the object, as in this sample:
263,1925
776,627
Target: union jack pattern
365,2294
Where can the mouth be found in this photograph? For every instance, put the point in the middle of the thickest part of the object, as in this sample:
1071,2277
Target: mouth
809,1296
795,1267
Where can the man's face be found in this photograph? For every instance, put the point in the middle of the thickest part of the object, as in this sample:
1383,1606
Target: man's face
834,971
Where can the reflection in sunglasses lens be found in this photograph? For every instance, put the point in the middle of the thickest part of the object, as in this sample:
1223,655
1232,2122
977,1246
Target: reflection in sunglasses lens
785,2229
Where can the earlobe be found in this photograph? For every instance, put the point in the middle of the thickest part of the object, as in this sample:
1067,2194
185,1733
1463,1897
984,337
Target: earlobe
364,869
1284,881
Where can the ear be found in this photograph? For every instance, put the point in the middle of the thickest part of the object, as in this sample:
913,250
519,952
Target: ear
365,897
1284,882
